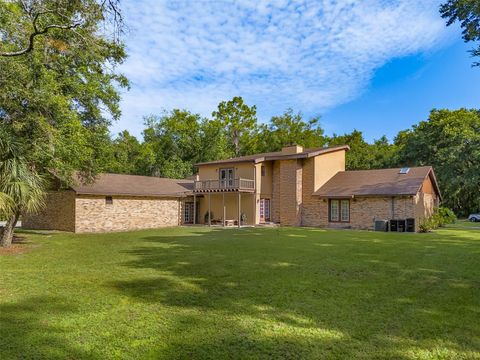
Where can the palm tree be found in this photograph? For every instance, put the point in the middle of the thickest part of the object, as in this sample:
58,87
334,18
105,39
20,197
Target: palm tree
21,187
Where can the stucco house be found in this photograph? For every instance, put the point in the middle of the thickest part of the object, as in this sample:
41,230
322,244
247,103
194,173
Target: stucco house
291,187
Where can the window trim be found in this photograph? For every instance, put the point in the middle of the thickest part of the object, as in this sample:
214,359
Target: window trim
340,201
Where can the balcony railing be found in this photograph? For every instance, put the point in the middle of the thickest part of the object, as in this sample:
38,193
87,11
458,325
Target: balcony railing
244,185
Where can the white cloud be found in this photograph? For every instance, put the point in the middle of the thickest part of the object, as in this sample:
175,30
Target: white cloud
309,55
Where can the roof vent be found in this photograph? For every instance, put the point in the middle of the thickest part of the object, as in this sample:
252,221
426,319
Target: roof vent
404,170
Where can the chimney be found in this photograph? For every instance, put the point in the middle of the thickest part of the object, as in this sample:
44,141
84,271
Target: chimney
292,149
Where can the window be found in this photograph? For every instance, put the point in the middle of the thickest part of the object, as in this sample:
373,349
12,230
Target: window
108,200
345,210
339,210
334,205
264,171
226,178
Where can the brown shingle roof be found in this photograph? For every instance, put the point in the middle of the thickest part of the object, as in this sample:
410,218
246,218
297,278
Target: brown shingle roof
133,185
277,155
383,182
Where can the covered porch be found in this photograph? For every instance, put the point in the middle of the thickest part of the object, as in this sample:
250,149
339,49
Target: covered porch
227,208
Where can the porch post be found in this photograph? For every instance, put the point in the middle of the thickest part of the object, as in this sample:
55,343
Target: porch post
239,207
194,209
209,211
223,208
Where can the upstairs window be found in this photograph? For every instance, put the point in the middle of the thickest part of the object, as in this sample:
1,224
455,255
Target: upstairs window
108,200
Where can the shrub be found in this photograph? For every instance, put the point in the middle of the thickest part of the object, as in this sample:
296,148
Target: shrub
428,224
445,216
441,217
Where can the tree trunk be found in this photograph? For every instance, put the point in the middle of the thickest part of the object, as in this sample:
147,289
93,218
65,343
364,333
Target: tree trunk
7,234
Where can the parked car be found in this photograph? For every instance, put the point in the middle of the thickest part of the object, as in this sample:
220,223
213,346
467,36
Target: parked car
474,217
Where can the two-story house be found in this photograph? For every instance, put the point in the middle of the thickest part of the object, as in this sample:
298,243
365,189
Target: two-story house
291,187
263,188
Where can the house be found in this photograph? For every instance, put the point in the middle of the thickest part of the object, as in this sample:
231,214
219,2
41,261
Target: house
291,187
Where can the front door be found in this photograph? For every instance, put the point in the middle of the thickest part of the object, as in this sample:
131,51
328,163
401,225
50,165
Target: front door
264,210
188,213
226,178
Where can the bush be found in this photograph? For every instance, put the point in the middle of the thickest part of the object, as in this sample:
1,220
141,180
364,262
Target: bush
445,216
441,216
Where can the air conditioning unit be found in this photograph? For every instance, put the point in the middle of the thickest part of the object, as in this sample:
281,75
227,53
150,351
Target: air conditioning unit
410,225
381,225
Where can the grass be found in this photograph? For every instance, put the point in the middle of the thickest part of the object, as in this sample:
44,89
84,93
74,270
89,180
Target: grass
196,293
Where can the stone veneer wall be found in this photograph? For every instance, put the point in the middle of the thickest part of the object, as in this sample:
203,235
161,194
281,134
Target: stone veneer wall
126,213
291,192
58,214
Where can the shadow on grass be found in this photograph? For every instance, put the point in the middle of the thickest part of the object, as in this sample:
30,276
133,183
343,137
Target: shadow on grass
26,328
277,294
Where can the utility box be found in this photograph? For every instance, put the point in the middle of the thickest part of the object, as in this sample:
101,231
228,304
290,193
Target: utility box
381,225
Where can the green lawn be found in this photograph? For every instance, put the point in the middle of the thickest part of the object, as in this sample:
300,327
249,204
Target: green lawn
195,293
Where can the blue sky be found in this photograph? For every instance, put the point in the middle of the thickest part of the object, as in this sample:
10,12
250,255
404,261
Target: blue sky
375,65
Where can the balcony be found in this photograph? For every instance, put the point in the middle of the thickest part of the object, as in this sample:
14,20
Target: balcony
232,185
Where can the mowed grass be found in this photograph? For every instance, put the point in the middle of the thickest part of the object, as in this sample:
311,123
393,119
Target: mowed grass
199,293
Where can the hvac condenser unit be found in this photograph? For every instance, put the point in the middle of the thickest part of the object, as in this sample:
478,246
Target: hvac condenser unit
381,225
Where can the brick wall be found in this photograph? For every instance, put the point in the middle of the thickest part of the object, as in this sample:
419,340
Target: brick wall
58,214
313,213
290,192
275,202
364,211
126,213
424,206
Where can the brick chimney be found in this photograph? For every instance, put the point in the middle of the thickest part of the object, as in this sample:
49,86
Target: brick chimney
292,149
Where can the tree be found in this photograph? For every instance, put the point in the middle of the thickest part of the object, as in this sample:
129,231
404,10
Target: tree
175,139
21,185
290,128
239,121
124,155
467,12
362,155
59,87
449,141
42,18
